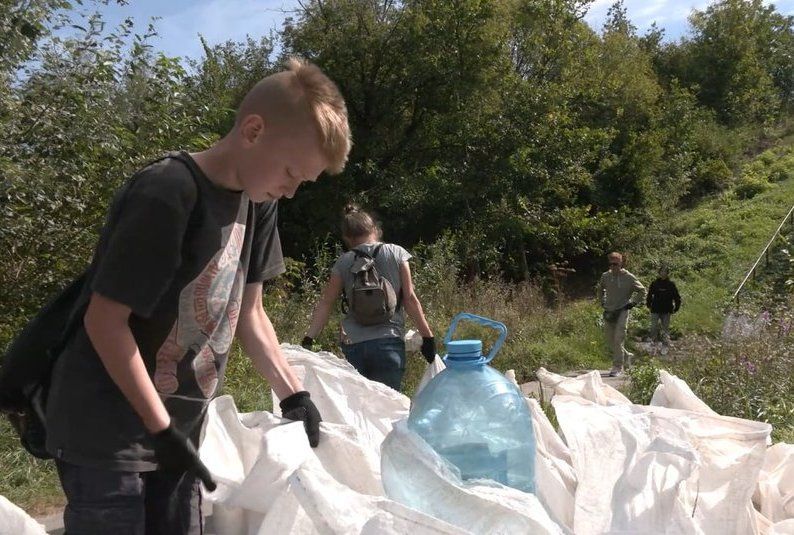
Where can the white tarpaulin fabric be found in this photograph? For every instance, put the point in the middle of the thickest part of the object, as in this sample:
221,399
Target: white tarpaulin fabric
621,468
774,495
785,527
775,487
343,396
555,479
335,487
15,521
674,393
658,470
675,467
589,386
432,369
271,481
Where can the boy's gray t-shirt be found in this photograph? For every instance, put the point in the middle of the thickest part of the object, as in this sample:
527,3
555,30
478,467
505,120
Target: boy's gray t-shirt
388,262
178,250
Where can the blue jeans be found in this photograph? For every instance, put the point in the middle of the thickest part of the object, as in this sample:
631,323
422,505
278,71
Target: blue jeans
382,360
129,503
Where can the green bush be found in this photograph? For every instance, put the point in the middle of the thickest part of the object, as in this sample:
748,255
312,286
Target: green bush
781,170
710,176
748,187
643,380
768,157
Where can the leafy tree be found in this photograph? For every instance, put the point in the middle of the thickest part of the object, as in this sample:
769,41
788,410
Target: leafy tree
219,80
507,131
94,106
418,77
739,58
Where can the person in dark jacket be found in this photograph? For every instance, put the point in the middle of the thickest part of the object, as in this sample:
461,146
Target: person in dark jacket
664,300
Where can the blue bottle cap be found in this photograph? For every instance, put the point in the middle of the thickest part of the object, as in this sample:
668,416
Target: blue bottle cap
464,350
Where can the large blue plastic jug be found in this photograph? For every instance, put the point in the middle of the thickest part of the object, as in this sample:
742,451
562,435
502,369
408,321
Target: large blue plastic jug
475,417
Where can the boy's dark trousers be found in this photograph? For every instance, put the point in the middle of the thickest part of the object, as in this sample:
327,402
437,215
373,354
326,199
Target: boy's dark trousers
129,503
663,319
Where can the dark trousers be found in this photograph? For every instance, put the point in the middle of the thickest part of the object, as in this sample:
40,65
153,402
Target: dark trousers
129,503
382,360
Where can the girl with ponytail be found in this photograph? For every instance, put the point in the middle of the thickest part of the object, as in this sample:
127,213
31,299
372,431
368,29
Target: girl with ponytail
375,349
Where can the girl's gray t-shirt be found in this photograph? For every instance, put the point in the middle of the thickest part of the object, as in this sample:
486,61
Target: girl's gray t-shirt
388,262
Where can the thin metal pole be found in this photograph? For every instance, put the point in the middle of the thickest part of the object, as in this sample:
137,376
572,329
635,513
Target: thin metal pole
765,252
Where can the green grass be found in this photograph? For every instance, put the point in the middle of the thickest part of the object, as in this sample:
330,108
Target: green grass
711,247
251,392
28,482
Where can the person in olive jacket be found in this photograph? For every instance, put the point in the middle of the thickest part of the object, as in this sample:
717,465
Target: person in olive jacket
664,300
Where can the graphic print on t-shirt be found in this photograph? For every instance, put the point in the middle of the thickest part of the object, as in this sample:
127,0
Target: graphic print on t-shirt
208,310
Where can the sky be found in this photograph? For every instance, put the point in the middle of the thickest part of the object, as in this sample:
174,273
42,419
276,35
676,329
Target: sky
181,21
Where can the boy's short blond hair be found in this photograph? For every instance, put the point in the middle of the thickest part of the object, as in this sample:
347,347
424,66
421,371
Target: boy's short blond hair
329,110
302,95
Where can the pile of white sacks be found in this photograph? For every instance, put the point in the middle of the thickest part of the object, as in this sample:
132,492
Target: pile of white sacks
675,466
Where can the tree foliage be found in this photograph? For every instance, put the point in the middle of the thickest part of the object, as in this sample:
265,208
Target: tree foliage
508,129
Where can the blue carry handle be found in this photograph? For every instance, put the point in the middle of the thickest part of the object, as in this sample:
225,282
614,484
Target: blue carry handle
482,321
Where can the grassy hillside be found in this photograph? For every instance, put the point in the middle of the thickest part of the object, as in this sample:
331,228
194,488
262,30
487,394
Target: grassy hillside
711,247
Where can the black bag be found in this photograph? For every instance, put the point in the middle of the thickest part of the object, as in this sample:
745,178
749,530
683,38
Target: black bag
26,367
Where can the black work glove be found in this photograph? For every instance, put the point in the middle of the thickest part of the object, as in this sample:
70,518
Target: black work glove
629,305
175,453
299,407
307,342
429,349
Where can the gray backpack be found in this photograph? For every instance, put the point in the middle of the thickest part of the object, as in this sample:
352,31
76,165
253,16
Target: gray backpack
372,300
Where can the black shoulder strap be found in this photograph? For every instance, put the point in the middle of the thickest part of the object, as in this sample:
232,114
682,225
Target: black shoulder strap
76,317
189,164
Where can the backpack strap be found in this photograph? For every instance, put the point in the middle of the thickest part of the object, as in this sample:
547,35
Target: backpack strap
193,220
358,253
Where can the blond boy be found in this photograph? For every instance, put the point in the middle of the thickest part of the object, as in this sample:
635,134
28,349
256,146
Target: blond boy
177,274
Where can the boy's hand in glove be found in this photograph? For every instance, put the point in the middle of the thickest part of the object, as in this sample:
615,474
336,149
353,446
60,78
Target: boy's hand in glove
299,407
429,349
175,453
